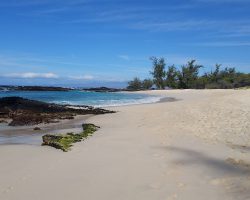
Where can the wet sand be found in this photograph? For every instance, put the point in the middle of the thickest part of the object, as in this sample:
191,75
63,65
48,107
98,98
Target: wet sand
27,134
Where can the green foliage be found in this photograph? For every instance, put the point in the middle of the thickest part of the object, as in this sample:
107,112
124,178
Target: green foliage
135,84
221,84
158,72
242,80
188,77
65,142
147,84
244,88
171,77
226,79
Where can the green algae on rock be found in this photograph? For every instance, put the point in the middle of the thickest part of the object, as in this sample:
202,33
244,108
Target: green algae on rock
66,141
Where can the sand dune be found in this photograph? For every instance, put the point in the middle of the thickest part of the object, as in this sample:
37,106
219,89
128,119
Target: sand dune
197,147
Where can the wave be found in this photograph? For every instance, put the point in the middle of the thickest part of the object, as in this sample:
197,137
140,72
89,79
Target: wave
5,90
117,103
114,103
87,98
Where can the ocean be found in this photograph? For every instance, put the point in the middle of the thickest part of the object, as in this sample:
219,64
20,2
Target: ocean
75,97
23,135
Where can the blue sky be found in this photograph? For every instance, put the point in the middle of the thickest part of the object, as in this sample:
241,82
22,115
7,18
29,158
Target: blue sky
108,42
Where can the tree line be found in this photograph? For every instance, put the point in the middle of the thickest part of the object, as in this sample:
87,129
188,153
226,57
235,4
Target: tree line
188,77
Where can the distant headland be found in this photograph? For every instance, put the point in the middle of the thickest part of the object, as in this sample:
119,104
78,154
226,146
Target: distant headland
33,88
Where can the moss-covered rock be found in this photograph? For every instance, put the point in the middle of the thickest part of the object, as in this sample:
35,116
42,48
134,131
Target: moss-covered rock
66,141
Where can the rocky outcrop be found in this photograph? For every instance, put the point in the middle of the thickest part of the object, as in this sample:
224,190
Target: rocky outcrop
41,88
30,112
103,89
66,141
33,88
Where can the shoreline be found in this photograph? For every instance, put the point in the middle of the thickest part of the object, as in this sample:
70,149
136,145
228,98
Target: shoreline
18,135
26,135
197,147
75,125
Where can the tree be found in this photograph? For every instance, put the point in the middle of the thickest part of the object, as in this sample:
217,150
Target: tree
147,84
135,84
242,80
158,72
171,77
216,72
188,75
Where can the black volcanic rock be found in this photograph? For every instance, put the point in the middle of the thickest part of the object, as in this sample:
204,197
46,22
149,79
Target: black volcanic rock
30,112
103,89
7,87
41,88
33,88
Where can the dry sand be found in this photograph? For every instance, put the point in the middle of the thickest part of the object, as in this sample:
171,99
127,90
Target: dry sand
195,148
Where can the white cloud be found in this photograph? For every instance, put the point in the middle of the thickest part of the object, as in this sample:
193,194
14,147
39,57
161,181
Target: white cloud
214,27
124,57
31,75
83,77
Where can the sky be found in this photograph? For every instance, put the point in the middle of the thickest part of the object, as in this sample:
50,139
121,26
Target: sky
108,42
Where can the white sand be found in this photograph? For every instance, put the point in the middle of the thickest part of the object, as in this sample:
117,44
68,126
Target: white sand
195,148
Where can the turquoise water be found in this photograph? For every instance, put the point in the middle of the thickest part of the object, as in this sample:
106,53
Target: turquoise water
73,98
85,98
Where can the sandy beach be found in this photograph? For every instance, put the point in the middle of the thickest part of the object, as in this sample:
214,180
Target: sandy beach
197,147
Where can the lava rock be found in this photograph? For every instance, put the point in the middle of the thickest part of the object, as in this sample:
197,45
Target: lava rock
25,112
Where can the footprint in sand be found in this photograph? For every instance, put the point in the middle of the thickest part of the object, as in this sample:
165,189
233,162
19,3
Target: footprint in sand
172,197
181,185
8,189
154,186
216,182
25,178
220,181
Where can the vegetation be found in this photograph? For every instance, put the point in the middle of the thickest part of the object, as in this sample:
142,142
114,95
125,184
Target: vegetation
158,72
65,142
189,77
147,84
244,88
136,84
171,77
